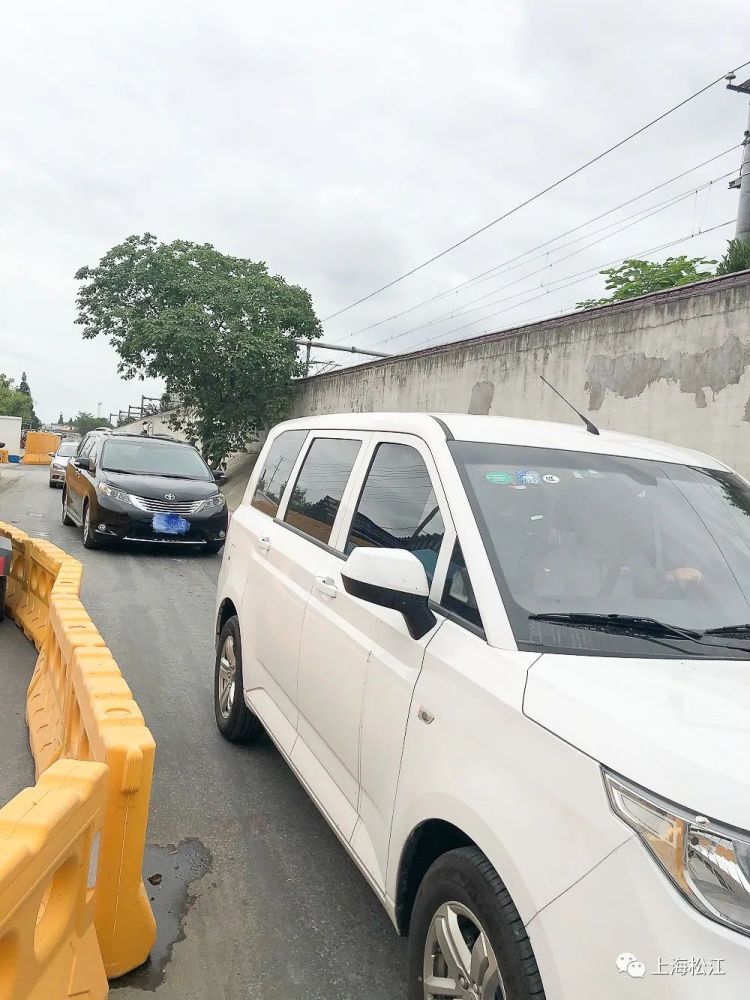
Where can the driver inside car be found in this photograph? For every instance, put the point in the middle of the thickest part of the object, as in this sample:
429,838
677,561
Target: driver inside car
604,557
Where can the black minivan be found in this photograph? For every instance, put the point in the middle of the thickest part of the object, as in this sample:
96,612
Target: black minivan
136,488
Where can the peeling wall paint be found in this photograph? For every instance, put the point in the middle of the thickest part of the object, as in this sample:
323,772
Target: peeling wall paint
673,365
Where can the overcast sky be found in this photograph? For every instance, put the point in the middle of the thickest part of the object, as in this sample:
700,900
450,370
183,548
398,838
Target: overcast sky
344,143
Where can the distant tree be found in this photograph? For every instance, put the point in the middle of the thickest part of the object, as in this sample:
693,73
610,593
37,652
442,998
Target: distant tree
23,385
638,277
14,403
86,422
219,330
60,419
737,257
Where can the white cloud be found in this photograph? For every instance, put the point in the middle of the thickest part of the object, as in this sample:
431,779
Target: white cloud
341,143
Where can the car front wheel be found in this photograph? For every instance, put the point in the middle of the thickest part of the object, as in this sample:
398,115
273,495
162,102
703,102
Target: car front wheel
467,939
235,720
90,541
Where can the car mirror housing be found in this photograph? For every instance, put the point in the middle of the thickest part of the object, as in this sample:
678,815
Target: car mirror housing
391,578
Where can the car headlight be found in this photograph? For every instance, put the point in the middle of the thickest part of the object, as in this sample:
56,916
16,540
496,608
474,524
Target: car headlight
57,465
114,493
709,863
213,503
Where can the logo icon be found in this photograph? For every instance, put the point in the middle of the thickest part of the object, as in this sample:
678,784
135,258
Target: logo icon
499,477
630,964
527,477
170,496
549,478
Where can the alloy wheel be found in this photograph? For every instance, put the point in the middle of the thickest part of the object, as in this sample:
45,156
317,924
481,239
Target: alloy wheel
459,961
227,677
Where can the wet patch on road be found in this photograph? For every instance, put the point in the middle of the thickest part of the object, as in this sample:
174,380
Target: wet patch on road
168,872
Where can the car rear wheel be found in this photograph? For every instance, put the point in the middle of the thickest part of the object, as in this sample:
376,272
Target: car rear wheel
67,520
467,939
235,720
90,541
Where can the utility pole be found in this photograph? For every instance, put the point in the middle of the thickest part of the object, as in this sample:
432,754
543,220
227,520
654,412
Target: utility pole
743,211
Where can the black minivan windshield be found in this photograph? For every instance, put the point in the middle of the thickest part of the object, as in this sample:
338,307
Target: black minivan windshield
605,554
144,457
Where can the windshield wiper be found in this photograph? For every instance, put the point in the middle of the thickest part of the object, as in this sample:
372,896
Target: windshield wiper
741,630
635,624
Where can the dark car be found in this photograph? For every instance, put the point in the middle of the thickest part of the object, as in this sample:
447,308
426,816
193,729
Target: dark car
134,488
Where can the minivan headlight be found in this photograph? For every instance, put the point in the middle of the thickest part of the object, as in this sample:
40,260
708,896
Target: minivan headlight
213,503
708,862
113,492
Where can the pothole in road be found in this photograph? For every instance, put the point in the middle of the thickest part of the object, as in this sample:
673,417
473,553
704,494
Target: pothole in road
168,873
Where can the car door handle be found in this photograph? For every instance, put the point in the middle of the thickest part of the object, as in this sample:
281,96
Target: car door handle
263,544
326,585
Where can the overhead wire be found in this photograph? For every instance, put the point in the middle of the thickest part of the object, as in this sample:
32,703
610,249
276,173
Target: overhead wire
503,265
539,194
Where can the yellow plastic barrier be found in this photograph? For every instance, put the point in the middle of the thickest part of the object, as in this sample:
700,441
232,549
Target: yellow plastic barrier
79,706
38,447
4,459
48,945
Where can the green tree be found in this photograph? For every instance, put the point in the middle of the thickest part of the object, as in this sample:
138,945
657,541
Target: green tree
14,403
218,330
86,422
638,277
60,419
23,385
737,257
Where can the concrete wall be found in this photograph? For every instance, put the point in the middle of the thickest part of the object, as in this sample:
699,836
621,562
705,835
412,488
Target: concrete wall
672,365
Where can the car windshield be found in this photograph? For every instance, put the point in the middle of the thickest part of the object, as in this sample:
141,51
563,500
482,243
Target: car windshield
571,533
67,449
153,458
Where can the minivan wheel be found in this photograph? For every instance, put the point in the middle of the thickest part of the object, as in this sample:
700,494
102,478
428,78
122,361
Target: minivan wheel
90,541
467,939
67,520
235,720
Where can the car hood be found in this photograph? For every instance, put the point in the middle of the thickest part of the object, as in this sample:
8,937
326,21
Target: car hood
680,728
156,487
60,460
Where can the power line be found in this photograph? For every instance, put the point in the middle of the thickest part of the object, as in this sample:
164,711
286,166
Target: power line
539,194
576,279
629,222
503,265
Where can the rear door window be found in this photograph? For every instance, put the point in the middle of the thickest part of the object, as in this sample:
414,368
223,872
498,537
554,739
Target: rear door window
276,470
398,508
316,496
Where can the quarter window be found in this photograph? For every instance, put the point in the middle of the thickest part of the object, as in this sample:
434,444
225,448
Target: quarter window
316,495
458,595
398,508
276,471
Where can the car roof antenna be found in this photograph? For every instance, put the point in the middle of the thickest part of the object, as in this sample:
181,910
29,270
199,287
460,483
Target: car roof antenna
590,427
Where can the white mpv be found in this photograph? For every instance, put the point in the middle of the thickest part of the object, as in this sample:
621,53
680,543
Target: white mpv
509,662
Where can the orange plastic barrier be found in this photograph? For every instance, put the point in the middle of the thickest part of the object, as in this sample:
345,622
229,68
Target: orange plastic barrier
48,945
38,447
4,459
79,706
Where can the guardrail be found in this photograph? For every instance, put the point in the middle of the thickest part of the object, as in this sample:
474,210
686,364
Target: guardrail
79,706
48,945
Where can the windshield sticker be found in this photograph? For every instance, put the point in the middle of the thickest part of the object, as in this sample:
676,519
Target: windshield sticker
549,478
499,477
527,477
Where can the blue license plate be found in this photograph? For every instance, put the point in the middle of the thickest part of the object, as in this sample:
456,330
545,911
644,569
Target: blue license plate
170,524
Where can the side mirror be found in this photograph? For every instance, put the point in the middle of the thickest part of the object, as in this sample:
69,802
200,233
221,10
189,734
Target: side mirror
85,463
52,454
220,478
391,578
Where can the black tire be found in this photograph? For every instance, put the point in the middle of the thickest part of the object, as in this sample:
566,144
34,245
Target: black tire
238,724
66,518
3,590
90,541
465,876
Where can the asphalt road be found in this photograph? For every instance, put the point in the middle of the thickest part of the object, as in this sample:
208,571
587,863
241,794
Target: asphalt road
257,897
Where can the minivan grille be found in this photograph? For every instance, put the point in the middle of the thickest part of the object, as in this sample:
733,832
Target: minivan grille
157,506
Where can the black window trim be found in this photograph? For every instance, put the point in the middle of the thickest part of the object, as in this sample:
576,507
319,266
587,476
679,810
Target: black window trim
457,619
315,541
